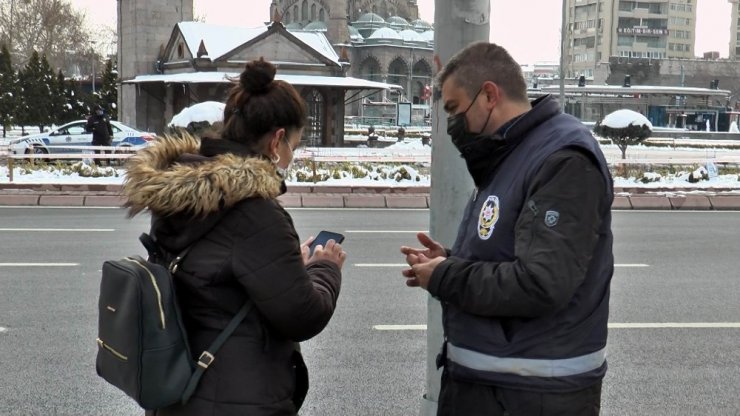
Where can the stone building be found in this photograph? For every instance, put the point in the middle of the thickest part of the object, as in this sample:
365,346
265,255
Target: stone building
341,56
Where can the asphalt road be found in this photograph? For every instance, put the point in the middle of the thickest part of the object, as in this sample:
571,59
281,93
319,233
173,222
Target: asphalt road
677,279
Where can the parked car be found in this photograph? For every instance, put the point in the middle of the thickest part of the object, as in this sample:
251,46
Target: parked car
75,134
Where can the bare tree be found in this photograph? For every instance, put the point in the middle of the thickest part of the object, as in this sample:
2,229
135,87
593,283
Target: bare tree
50,27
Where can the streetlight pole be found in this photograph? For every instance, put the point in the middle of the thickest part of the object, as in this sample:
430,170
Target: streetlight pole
93,66
563,33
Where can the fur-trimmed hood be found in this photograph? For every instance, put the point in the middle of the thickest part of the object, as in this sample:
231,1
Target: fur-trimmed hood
168,177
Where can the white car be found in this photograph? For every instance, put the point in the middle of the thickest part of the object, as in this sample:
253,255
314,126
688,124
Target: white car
75,134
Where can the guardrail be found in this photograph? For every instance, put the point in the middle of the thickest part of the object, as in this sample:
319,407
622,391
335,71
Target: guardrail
107,152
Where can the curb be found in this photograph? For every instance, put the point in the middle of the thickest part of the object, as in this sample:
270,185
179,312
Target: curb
358,197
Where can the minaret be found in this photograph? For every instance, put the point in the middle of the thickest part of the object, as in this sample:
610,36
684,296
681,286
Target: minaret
337,32
144,27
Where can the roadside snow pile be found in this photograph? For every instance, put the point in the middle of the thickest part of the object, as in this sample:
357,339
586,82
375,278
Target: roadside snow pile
208,111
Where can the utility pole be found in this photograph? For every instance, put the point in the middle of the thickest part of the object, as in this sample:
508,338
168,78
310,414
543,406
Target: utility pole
563,33
457,24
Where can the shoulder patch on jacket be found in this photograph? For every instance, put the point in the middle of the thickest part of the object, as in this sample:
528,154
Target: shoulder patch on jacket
551,218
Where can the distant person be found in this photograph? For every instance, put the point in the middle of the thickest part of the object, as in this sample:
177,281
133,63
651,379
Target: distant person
102,132
218,196
401,134
372,138
525,287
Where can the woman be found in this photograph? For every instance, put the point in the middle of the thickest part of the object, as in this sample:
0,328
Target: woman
217,196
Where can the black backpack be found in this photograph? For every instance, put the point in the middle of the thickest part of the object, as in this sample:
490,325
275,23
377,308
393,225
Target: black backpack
143,347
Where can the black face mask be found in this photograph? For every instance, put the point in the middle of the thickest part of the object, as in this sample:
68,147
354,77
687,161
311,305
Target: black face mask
466,142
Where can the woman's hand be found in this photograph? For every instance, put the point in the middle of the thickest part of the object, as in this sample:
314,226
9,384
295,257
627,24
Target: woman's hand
332,252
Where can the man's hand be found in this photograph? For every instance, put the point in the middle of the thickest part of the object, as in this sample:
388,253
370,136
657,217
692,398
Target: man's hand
422,261
421,270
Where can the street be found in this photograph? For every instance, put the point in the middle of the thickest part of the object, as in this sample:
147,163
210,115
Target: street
675,317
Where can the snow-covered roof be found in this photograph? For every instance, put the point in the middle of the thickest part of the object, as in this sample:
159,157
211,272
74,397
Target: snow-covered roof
409,35
385,33
398,22
294,26
210,111
419,24
624,118
371,17
317,26
354,34
428,35
219,40
213,77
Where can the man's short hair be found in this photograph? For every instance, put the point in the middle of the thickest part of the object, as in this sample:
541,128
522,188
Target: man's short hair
480,62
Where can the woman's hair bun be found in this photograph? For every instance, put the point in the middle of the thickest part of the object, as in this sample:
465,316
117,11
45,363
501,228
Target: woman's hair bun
257,76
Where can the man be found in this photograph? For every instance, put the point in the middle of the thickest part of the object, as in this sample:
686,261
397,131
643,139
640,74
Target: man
525,288
102,132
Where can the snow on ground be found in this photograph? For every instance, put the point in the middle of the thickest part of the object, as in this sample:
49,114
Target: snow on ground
407,164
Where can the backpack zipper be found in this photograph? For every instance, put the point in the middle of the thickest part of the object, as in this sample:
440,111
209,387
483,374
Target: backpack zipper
156,289
111,350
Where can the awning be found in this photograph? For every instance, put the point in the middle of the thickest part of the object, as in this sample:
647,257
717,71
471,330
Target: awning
348,83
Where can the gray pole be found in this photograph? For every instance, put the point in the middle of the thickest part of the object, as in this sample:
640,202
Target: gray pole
563,33
457,24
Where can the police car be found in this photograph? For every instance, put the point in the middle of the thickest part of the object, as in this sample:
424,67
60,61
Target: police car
75,134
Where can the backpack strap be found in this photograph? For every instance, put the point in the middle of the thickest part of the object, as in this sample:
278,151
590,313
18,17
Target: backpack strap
208,356
156,252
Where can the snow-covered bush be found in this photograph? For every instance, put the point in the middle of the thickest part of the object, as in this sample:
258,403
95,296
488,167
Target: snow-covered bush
700,174
649,177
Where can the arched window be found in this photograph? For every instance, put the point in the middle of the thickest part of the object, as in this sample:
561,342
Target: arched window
313,134
304,11
286,18
384,10
296,16
375,9
313,12
321,15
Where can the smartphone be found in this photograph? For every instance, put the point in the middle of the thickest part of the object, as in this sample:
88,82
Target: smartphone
322,239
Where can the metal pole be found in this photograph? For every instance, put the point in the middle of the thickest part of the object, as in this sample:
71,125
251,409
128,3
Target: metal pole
93,73
563,33
457,24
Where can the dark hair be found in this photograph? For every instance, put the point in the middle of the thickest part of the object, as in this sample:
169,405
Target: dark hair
258,104
480,62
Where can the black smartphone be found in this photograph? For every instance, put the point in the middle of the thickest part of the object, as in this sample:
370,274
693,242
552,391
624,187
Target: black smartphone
322,239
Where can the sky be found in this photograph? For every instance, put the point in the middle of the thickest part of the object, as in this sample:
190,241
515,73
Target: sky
528,29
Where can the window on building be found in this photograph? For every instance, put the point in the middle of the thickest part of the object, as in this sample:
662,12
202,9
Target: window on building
313,12
625,40
322,17
304,11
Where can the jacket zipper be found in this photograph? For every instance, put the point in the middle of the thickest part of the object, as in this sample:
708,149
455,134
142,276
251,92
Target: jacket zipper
156,289
110,349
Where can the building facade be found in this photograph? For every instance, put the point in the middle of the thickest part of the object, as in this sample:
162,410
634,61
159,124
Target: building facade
734,30
651,29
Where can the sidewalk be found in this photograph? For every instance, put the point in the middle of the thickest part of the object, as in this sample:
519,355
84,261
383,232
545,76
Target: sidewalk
360,197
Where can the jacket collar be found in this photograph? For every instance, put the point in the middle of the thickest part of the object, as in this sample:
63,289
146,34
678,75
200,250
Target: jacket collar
186,175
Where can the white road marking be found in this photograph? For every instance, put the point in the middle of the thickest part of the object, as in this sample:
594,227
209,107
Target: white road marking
629,325
400,327
655,325
381,265
39,264
632,265
3,329
84,230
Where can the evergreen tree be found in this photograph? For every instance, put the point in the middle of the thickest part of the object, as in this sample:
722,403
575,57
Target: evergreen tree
51,102
62,107
75,104
8,90
109,90
35,81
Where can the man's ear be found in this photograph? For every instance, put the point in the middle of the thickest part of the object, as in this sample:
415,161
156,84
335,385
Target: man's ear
492,93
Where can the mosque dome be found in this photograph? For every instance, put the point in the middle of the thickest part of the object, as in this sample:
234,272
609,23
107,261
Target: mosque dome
354,34
421,25
409,35
398,23
428,36
385,33
294,26
371,18
317,26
